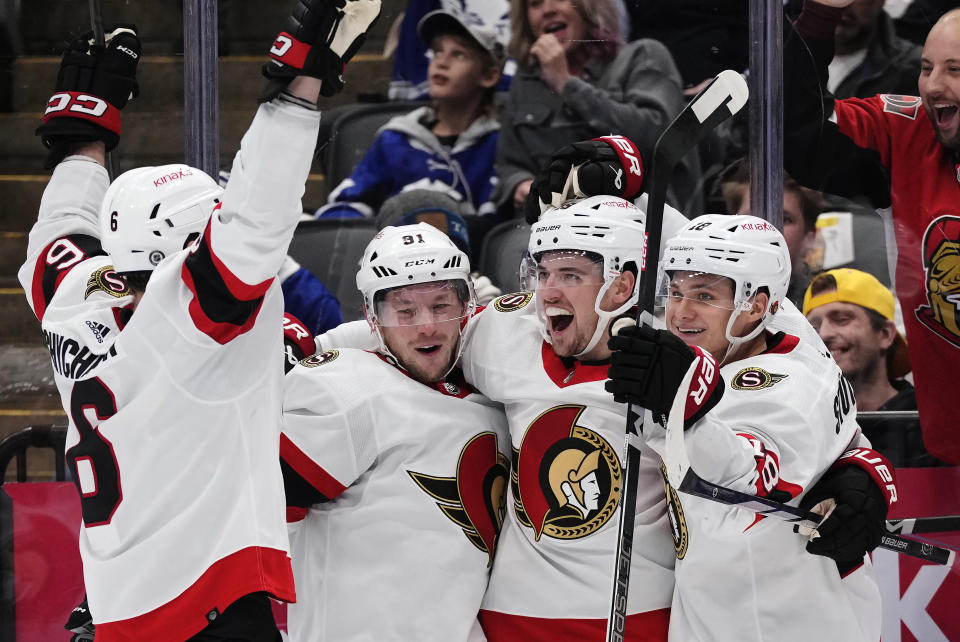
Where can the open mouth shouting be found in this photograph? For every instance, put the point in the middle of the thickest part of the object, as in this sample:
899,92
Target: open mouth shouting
557,27
945,115
558,319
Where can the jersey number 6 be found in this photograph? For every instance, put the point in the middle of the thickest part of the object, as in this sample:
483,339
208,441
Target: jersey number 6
92,461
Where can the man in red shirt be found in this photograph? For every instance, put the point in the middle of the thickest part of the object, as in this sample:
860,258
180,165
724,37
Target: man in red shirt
917,141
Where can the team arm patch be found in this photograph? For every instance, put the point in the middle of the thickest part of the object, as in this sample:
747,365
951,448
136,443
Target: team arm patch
879,468
766,480
305,482
55,262
223,306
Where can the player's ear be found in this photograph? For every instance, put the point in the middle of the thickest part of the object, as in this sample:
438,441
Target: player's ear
759,305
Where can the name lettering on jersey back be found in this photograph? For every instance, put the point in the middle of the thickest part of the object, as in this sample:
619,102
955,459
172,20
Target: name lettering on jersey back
72,360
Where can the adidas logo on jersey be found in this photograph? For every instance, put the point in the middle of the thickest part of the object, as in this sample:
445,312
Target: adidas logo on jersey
98,329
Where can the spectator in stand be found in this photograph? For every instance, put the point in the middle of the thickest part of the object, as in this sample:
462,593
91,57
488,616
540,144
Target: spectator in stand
412,56
801,207
446,214
869,57
449,145
921,155
577,80
920,15
854,315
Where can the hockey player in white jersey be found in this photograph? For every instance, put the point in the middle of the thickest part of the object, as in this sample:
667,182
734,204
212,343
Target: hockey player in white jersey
165,359
395,468
771,422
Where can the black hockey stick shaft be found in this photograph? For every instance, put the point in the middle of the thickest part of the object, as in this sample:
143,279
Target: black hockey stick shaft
918,525
693,484
718,101
96,24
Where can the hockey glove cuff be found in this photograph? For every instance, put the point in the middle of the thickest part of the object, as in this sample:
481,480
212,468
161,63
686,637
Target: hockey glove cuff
93,85
298,342
609,165
647,367
320,37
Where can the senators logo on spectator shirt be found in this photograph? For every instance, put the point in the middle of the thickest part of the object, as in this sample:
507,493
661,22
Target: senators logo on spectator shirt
567,479
941,263
475,500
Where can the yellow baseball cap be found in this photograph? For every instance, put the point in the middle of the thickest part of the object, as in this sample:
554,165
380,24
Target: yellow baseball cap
863,289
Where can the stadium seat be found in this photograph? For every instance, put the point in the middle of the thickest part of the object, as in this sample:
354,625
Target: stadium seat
503,248
331,249
14,447
352,130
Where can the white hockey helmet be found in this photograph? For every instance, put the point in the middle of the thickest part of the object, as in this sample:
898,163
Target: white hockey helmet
608,226
408,255
149,213
746,249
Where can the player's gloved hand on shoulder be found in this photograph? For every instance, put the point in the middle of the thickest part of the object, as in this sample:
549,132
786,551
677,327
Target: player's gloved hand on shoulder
609,165
648,365
852,487
93,85
484,288
298,342
318,40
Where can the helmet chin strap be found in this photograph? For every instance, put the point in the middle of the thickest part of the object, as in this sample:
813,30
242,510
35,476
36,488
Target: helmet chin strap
603,318
735,343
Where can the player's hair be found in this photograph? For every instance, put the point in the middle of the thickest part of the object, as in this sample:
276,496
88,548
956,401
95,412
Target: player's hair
733,182
600,17
137,280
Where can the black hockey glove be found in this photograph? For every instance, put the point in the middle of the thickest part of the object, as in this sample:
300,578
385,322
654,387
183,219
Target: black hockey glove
80,623
609,165
298,342
93,85
647,367
861,484
318,40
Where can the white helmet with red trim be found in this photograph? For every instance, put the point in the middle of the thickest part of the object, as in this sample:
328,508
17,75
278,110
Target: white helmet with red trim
607,226
746,249
150,213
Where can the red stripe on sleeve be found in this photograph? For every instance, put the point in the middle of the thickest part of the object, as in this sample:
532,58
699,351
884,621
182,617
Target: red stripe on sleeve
309,469
220,332
240,290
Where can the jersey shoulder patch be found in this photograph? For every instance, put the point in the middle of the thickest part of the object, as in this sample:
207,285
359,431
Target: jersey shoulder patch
106,279
511,302
906,106
754,378
320,359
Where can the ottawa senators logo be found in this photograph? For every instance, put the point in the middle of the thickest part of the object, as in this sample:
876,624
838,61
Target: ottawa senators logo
678,523
106,279
475,500
566,478
320,359
511,302
941,262
755,379
906,106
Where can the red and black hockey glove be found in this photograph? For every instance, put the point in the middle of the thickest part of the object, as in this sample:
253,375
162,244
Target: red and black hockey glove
298,342
609,165
647,367
863,486
318,40
93,85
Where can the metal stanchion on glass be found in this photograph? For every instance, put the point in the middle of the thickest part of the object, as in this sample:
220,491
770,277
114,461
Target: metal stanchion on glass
201,85
766,110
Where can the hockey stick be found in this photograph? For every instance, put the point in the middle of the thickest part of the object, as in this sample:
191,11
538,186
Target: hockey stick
684,479
717,102
96,24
